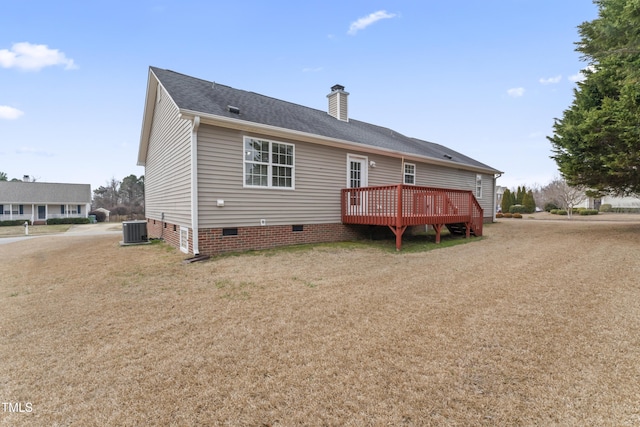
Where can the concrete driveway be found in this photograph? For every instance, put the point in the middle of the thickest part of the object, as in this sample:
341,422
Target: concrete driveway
100,228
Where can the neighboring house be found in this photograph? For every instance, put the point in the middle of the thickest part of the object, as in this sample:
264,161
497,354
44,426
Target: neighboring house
499,194
39,201
227,169
631,204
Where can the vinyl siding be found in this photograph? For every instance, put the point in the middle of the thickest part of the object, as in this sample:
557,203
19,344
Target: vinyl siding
388,170
168,166
320,174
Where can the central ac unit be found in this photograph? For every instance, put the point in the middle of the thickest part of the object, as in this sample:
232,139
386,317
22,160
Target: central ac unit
134,231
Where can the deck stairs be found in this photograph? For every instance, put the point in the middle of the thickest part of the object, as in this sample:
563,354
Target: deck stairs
459,228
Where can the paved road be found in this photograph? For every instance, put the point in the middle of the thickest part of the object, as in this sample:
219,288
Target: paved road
75,230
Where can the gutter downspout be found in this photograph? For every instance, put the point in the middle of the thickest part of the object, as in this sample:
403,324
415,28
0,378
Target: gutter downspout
194,184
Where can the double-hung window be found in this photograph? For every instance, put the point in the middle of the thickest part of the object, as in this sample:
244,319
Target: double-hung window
478,186
409,173
268,163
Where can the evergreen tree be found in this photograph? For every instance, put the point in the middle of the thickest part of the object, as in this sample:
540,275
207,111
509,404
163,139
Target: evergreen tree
507,200
520,195
596,143
529,202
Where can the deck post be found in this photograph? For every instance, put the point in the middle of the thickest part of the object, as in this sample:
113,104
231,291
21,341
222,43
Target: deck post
437,227
399,226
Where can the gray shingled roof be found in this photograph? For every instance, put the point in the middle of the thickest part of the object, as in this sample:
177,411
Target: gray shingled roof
190,93
19,192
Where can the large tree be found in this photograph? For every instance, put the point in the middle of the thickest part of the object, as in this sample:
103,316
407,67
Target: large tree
596,143
124,197
566,195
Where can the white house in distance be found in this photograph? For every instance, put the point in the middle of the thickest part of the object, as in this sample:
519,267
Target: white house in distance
228,169
617,203
39,201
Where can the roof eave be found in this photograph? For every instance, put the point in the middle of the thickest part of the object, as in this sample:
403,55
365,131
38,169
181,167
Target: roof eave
232,123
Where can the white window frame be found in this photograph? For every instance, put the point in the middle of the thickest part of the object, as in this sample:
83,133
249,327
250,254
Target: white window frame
184,239
270,165
478,186
406,174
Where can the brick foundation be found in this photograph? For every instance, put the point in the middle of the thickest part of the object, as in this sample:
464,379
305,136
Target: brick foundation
213,241
170,233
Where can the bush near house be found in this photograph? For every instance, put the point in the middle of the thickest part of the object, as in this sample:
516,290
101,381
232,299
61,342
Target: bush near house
606,207
588,212
550,206
517,215
52,221
508,215
625,210
13,222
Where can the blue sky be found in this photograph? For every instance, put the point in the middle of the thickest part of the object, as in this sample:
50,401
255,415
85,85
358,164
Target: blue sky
483,78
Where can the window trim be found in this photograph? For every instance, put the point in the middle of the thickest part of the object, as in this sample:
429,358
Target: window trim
405,174
270,165
478,191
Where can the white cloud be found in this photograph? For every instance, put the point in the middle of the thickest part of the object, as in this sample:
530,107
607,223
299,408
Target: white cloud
515,92
9,113
370,19
580,76
551,80
33,57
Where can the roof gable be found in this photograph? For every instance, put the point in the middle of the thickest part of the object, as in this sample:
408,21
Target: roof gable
205,97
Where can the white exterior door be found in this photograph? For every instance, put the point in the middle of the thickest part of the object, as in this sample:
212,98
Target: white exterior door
357,176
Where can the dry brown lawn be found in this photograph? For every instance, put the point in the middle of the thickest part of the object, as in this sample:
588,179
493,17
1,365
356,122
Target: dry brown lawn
538,323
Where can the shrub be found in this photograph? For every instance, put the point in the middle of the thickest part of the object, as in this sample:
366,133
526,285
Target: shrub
588,212
52,221
499,215
508,215
606,207
100,216
625,210
517,215
550,206
9,223
561,211
554,211
518,209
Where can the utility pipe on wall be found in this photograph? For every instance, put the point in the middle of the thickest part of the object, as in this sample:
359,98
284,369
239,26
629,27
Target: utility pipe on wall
194,184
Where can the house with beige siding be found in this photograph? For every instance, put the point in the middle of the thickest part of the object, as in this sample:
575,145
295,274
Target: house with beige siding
39,201
228,169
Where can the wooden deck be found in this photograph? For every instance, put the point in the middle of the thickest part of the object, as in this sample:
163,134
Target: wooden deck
400,206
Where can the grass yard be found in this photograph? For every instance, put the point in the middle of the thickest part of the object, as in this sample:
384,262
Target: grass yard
538,323
18,230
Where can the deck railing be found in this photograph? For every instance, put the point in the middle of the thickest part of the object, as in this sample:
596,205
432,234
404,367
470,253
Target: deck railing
399,206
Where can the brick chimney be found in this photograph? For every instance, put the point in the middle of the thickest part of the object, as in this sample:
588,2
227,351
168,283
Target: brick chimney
338,103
